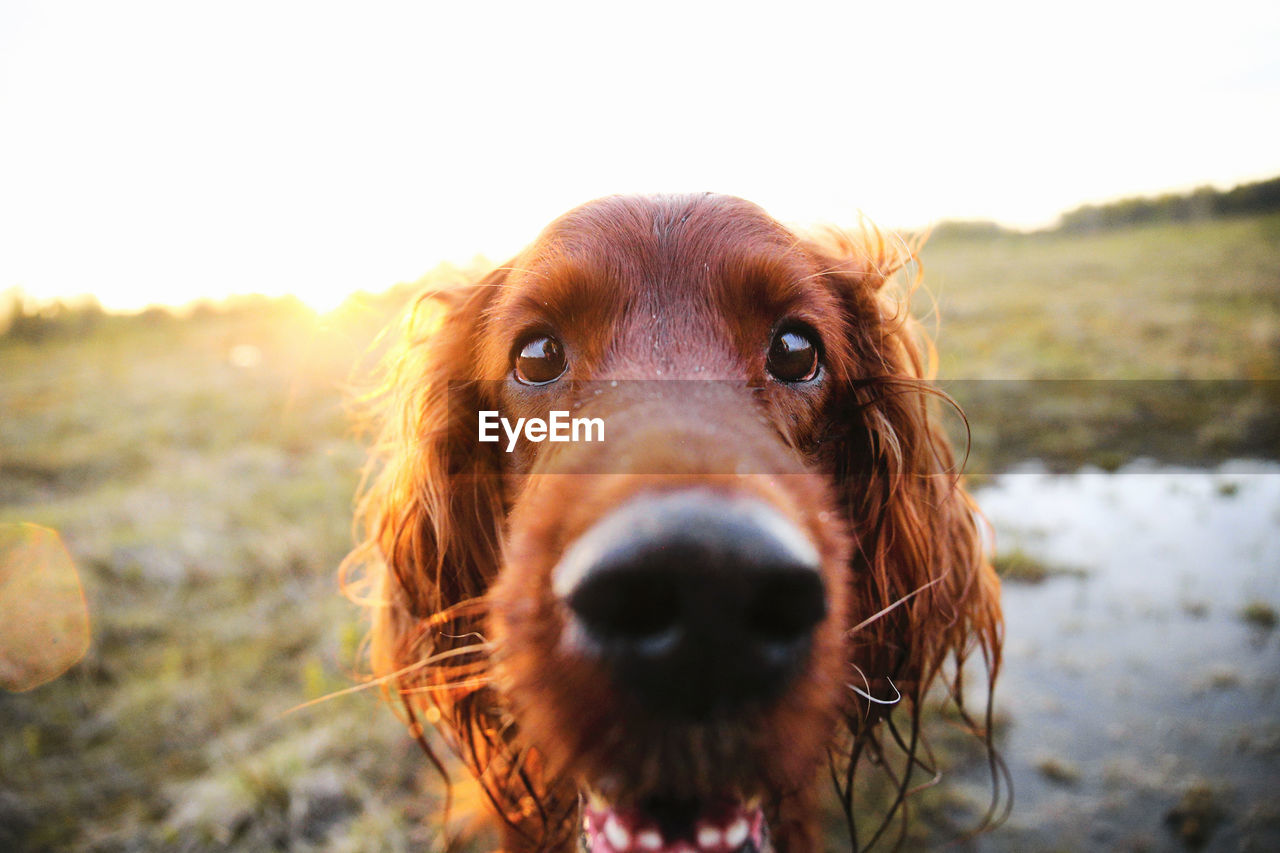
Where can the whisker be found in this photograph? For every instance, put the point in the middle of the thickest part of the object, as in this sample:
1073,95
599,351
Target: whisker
392,676
883,612
865,695
337,694
451,685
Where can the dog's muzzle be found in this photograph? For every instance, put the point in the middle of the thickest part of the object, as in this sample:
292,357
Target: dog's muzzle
699,604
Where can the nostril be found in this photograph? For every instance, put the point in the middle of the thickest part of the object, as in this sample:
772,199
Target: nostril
630,607
786,607
626,606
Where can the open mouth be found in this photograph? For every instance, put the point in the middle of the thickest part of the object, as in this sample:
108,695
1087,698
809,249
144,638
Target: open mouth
725,826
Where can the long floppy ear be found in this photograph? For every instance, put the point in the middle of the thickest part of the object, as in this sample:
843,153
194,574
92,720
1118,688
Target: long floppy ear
429,518
923,590
431,515
432,506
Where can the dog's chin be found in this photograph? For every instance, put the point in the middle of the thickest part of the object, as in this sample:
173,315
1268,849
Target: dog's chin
723,825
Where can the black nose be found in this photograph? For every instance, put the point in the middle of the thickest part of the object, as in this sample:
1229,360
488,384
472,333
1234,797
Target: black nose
698,603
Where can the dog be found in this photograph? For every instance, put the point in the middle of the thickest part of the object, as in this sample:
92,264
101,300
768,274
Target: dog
665,639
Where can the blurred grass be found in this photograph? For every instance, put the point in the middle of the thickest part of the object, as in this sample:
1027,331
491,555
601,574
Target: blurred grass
201,472
1160,341
1017,566
1170,301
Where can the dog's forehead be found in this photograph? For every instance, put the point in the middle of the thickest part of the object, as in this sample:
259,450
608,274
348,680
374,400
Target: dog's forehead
668,247
662,225
659,212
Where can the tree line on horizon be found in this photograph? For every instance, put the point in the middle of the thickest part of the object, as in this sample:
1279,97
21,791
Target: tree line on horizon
1201,203
1207,202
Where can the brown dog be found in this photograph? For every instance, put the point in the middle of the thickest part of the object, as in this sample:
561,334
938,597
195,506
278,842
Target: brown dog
655,641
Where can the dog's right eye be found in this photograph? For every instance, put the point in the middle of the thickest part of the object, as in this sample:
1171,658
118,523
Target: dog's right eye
540,360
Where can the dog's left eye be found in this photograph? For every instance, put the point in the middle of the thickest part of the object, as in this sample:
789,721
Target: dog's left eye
793,356
540,360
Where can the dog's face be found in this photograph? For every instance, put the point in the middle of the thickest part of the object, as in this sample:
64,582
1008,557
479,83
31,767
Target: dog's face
676,612
671,610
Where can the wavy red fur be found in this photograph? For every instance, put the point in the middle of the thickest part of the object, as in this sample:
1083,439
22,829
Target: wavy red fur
461,539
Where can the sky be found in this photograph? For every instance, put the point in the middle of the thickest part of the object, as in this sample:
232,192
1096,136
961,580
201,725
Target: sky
162,152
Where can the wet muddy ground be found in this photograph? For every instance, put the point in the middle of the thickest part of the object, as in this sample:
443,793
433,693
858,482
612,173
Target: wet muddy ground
1139,704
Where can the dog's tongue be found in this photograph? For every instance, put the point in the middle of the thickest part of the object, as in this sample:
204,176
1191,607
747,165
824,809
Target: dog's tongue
719,829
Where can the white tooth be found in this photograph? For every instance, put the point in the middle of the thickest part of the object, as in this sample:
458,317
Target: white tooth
650,839
708,837
736,833
619,838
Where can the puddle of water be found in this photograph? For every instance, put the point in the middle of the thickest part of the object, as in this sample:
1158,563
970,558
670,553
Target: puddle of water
1141,678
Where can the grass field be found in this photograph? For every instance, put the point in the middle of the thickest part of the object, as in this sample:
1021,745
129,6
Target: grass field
1198,301
201,473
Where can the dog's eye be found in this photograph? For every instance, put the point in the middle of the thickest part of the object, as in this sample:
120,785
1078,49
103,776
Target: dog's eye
793,356
540,360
